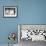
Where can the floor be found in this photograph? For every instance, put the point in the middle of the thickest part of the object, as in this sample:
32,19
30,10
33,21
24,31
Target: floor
7,45
30,43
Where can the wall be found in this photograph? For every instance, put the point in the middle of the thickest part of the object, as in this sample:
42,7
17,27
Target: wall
32,11
29,12
7,25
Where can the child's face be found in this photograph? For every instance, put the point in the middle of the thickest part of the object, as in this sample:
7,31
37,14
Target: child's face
9,12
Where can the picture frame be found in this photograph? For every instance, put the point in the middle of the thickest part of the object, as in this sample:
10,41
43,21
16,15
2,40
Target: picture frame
9,11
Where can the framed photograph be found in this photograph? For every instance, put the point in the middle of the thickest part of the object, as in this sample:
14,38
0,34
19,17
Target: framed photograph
10,11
